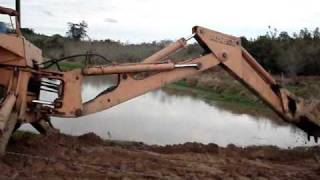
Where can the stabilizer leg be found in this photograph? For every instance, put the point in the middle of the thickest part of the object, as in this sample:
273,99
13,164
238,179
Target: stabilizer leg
5,136
44,127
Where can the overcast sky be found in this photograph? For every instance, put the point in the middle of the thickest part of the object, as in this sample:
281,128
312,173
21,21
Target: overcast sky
148,20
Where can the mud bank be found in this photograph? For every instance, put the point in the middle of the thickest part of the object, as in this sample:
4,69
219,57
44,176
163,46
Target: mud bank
59,156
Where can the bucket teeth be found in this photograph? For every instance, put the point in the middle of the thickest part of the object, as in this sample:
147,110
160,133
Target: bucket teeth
310,121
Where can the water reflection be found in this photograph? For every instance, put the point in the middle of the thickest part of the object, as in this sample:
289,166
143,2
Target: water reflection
162,118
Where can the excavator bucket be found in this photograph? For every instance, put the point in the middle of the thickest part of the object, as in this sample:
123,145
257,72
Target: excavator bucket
310,120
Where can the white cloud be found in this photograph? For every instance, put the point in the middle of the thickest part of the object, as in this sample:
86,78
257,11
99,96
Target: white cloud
147,20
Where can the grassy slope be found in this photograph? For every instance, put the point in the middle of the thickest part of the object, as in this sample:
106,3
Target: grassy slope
233,102
218,87
211,95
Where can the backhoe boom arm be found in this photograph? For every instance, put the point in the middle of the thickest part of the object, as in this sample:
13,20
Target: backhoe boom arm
221,49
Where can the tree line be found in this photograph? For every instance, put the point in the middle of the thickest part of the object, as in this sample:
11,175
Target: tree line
281,53
278,52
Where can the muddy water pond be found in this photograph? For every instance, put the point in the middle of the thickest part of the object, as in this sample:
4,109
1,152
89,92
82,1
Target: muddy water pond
165,118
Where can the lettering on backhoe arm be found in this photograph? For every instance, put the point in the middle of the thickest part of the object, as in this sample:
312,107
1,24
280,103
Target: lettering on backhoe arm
225,40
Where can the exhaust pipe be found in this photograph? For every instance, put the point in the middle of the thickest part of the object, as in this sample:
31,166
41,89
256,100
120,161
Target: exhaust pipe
18,9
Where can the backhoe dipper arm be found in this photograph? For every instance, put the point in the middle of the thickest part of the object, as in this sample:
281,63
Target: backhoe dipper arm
221,49
241,65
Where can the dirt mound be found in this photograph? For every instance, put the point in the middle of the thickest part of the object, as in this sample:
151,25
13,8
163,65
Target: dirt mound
59,156
91,139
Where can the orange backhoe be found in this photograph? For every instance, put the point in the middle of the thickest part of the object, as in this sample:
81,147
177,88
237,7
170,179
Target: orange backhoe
24,76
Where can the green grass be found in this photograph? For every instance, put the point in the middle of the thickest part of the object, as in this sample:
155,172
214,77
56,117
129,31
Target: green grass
68,66
210,94
230,101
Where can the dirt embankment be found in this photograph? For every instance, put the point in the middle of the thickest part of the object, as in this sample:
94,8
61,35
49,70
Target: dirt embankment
89,157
